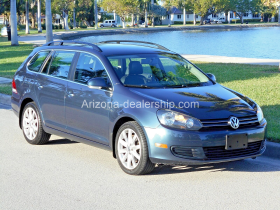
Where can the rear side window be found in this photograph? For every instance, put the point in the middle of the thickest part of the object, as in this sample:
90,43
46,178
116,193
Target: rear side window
61,63
37,61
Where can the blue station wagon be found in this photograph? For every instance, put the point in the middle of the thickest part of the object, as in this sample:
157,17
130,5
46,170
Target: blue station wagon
143,102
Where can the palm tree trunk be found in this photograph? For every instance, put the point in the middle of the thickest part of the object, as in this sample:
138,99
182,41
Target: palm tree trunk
184,14
153,18
49,32
146,17
13,9
74,15
95,14
39,16
132,20
194,18
27,17
279,17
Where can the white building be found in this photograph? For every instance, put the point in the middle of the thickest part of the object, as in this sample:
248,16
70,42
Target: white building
176,14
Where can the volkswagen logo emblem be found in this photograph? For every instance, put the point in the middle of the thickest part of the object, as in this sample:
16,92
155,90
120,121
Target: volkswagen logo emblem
234,122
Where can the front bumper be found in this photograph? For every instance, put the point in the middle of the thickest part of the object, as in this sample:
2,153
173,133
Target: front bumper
198,141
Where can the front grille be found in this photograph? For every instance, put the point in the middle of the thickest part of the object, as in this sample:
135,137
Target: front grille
217,124
215,153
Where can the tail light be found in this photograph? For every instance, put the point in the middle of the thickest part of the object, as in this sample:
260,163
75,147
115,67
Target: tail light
14,87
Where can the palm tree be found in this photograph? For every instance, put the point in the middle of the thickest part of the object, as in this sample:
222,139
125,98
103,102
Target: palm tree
39,16
49,33
13,10
27,17
95,14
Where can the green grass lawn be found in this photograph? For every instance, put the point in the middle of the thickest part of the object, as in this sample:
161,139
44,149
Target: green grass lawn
261,83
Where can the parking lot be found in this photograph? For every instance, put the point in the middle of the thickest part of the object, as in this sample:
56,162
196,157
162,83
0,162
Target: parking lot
69,175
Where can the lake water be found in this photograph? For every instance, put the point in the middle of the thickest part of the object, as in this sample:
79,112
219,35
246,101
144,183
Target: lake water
250,43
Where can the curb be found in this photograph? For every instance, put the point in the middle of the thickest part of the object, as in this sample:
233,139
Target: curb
5,99
272,150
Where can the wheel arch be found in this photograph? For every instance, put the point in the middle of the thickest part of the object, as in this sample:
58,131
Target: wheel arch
117,125
23,104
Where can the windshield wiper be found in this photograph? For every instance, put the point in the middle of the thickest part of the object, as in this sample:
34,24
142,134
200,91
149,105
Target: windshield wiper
139,86
176,86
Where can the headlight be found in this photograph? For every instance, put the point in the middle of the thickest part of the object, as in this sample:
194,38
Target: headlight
259,113
178,120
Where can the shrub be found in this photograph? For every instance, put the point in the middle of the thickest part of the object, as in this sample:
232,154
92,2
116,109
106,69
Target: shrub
81,25
43,26
20,27
55,26
71,26
181,22
60,26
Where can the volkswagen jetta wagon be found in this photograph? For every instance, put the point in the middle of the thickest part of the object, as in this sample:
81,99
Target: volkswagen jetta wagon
143,102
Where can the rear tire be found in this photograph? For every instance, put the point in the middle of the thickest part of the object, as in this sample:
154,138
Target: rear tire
31,125
132,150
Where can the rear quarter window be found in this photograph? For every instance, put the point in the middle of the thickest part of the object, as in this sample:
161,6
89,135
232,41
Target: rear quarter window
37,61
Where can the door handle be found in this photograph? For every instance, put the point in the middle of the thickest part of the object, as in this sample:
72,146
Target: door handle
40,87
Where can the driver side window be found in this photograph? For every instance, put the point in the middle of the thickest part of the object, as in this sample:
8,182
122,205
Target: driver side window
89,67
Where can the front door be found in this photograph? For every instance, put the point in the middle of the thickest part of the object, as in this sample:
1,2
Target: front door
87,110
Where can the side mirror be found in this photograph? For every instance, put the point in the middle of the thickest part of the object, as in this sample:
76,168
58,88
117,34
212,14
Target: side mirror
98,83
212,77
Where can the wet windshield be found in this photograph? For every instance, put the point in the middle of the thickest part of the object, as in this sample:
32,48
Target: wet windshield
157,70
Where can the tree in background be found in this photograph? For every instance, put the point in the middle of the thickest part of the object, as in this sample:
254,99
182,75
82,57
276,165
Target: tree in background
240,7
185,5
49,32
85,11
27,16
122,7
39,16
63,7
13,11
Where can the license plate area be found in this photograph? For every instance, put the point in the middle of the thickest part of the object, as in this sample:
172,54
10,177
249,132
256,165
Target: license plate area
236,141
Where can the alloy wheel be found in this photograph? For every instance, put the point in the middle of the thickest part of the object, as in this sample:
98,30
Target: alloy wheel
30,123
129,149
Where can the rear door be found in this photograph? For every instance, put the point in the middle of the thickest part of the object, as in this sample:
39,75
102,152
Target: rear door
87,110
51,88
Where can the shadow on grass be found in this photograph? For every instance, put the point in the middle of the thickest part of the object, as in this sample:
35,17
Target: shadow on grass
238,72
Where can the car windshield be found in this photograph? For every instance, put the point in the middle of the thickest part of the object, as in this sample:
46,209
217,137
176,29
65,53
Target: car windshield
157,71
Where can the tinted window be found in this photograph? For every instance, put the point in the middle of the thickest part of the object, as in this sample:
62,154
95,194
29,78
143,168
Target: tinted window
158,70
36,63
61,63
88,67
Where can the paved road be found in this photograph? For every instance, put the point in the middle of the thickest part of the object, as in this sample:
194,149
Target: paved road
68,175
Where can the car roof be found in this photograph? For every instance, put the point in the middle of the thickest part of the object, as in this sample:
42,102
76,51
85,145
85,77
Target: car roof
110,49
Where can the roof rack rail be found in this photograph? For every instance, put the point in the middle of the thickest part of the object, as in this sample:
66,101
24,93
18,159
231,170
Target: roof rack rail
95,47
150,43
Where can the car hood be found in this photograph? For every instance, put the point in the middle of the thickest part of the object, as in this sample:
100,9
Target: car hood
205,102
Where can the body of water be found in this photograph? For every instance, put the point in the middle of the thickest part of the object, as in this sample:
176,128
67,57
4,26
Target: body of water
249,43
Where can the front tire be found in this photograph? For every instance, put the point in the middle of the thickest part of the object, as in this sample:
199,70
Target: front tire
132,149
31,124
